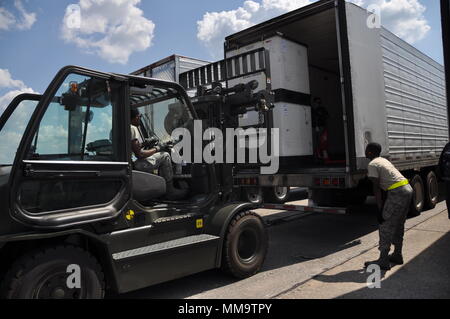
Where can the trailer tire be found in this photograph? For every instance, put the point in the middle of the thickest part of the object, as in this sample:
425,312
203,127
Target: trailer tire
277,194
253,195
418,200
245,245
44,274
431,190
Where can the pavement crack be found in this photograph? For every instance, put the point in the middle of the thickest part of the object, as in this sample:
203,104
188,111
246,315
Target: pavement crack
430,230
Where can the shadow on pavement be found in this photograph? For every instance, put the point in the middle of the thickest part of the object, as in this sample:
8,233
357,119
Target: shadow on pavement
311,237
425,276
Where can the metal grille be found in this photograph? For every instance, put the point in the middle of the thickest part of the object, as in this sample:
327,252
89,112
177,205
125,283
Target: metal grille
228,69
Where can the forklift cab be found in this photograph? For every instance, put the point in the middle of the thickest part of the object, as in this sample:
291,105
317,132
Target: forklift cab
67,155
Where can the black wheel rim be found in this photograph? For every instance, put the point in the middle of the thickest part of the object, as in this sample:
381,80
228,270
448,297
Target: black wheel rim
247,245
53,285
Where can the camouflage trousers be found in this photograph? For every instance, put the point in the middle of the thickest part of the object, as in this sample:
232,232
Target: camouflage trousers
395,212
160,161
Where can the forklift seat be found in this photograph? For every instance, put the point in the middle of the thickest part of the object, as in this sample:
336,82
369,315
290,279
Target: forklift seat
147,186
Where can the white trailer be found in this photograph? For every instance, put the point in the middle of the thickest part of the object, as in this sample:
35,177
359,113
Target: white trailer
374,86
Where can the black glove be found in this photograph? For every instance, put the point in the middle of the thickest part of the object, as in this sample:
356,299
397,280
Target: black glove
150,143
165,147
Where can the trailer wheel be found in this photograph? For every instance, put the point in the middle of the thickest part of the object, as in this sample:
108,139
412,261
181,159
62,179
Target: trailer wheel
44,274
418,201
432,190
253,195
277,194
245,245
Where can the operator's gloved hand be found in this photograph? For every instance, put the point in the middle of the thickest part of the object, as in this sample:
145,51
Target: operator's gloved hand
150,143
165,147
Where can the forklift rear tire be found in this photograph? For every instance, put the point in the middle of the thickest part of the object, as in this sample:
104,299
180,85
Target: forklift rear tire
245,245
276,195
44,274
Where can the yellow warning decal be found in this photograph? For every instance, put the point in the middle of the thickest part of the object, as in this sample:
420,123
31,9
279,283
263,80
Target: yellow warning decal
129,215
199,223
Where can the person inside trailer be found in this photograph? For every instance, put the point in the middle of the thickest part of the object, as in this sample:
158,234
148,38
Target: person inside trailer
319,121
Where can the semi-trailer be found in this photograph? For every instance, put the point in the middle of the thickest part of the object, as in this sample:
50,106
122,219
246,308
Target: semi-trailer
340,82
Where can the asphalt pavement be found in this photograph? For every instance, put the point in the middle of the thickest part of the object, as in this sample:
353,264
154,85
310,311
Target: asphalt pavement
313,255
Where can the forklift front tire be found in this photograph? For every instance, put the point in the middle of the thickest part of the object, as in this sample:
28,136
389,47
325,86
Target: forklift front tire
61,272
245,245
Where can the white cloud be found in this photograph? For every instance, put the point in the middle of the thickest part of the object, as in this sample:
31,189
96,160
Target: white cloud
16,87
8,20
403,17
215,26
6,81
112,29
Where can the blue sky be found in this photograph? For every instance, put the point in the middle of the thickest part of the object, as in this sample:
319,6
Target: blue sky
34,46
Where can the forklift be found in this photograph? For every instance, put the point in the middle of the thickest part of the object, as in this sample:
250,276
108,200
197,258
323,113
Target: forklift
71,198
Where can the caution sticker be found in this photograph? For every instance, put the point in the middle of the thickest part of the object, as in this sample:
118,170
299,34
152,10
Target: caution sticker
130,215
199,223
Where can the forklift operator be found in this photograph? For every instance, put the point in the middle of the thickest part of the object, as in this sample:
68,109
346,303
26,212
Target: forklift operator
155,158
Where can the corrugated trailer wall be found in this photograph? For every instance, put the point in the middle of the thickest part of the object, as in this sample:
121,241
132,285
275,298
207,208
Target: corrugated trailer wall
399,97
415,102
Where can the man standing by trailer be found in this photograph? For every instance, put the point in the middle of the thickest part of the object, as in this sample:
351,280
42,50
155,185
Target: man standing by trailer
385,177
444,167
444,163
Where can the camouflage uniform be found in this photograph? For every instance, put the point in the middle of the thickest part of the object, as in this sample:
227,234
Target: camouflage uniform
394,214
161,161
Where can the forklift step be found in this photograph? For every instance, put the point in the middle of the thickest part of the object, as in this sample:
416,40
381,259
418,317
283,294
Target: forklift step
171,244
171,219
307,209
